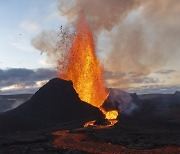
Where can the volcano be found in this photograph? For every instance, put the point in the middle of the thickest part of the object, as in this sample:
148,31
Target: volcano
54,103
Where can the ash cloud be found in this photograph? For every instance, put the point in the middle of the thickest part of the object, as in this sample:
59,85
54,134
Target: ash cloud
142,36
144,44
148,43
101,14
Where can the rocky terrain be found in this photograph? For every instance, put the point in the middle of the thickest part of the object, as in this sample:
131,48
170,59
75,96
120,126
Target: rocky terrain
52,122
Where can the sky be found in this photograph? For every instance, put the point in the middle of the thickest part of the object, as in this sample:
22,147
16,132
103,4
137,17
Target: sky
21,20
20,62
141,55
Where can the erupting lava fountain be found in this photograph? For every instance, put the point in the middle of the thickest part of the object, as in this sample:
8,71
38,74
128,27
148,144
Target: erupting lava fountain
84,70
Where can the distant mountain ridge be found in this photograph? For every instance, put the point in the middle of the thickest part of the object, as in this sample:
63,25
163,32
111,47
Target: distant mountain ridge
9,102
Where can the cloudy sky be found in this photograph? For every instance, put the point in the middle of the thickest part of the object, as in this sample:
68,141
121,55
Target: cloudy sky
22,67
138,42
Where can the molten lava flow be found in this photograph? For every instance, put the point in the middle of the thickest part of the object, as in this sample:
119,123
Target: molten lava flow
83,67
111,114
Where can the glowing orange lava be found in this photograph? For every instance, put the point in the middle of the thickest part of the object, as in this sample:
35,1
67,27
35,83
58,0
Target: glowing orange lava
111,115
83,67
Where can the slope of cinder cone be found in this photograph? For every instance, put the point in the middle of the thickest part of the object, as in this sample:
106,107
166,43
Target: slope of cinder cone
55,102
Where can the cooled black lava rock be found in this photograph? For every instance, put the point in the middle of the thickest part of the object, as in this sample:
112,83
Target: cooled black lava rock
102,122
177,97
55,102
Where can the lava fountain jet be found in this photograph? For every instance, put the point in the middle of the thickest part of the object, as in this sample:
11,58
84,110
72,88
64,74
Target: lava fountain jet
83,68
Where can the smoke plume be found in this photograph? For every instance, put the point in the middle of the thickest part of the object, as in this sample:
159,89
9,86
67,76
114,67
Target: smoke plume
142,36
101,14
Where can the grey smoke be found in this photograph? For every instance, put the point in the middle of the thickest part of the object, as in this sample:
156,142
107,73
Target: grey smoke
121,101
101,14
141,36
144,44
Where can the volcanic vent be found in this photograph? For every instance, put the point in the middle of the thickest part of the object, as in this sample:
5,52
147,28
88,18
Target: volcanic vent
84,70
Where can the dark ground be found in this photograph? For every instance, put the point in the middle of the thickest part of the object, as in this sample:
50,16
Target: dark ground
128,136
154,127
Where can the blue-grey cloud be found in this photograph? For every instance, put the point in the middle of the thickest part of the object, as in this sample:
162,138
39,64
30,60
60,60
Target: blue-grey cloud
166,72
155,89
23,76
128,78
144,80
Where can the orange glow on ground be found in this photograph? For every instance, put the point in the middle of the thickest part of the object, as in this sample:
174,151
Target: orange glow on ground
83,142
